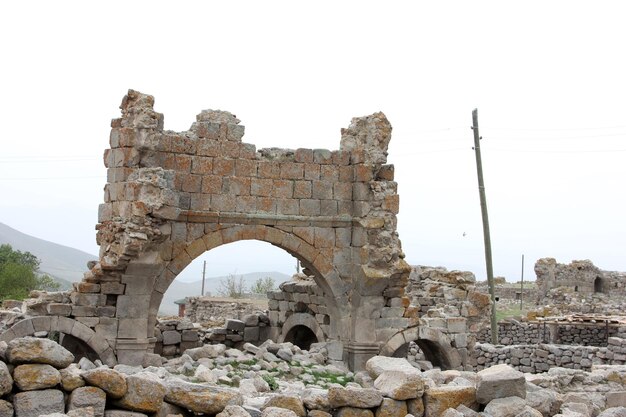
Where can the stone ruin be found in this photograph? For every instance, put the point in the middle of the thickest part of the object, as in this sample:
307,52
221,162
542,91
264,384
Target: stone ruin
581,277
172,196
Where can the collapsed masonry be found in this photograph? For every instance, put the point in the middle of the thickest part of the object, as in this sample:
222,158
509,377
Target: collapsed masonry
579,276
172,196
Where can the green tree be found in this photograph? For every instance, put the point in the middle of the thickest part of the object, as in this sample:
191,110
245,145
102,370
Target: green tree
263,285
18,274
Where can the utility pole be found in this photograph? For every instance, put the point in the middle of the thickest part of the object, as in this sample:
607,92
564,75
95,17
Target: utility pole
487,237
203,273
521,302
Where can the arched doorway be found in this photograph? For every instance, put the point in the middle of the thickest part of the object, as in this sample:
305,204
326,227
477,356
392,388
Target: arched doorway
598,285
435,346
302,329
73,335
301,336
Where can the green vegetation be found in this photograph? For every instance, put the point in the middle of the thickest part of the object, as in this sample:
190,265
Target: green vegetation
18,274
271,381
509,311
263,285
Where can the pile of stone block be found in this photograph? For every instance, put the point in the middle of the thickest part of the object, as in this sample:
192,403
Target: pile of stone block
175,336
38,378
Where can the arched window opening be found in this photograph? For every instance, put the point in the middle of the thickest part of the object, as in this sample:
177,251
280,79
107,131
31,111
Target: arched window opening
597,285
79,348
301,336
423,353
576,288
236,270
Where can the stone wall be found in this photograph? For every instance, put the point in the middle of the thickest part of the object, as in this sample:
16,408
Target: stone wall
216,311
536,358
511,292
513,332
449,301
301,295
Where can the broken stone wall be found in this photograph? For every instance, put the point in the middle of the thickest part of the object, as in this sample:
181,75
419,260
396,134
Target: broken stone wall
580,276
449,301
536,358
513,332
215,312
300,295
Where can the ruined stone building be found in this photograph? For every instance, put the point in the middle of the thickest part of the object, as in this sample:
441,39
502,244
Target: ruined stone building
171,196
579,276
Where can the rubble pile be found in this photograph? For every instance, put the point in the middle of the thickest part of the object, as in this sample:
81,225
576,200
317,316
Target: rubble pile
38,378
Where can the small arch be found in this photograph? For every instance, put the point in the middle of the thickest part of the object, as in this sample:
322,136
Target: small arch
80,334
598,285
298,321
576,288
435,345
301,336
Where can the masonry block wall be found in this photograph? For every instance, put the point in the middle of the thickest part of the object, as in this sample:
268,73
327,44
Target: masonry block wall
170,196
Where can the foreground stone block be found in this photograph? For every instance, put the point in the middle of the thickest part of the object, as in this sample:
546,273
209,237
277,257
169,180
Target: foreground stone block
233,411
123,413
35,403
199,398
439,399
88,397
277,412
354,412
38,350
500,381
392,408
144,393
378,364
6,409
354,397
400,384
290,402
109,380
6,381
316,399
71,378
506,407
36,376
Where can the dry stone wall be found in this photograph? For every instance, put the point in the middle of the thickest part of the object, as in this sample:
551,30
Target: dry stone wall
513,332
537,358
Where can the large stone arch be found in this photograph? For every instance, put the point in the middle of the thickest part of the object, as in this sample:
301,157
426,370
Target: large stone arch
324,274
65,325
173,195
436,345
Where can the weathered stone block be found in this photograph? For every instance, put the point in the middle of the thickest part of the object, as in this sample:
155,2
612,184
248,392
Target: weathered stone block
36,403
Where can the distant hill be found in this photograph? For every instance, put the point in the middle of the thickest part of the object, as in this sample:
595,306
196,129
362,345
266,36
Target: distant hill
179,289
65,264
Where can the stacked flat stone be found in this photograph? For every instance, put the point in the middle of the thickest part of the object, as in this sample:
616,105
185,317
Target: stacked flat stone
41,379
513,332
301,295
542,357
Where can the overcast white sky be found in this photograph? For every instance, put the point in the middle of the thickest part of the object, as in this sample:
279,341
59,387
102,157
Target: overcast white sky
548,79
